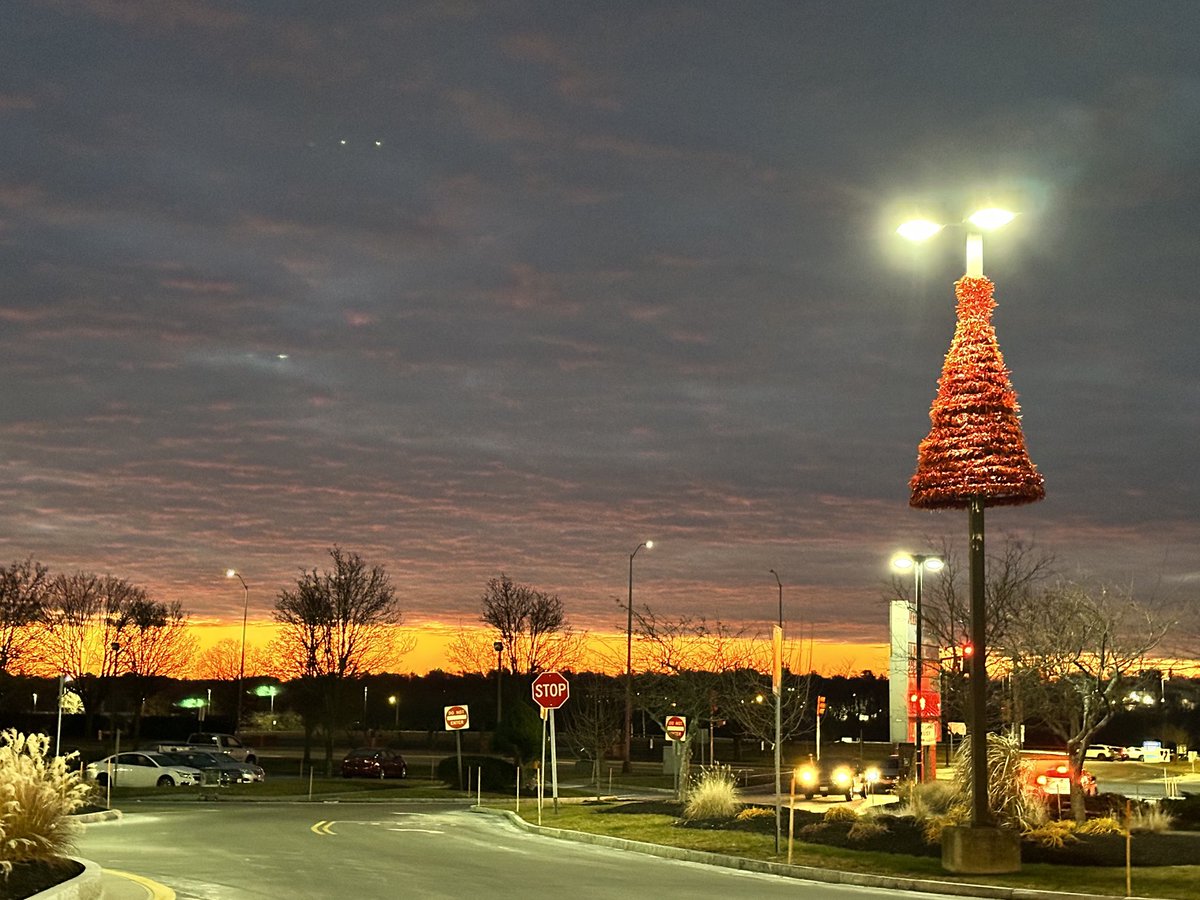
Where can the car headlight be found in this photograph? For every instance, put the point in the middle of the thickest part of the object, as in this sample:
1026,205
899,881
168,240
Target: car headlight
873,775
808,775
841,776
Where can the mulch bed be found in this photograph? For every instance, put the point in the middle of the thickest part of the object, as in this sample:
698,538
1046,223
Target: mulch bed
29,878
903,835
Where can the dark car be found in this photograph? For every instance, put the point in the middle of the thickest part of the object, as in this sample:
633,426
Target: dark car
830,777
885,777
368,762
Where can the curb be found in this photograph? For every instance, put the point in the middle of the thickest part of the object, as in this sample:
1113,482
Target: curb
87,885
104,815
807,873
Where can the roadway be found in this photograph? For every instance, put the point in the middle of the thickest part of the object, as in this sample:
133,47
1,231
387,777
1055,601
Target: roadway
374,851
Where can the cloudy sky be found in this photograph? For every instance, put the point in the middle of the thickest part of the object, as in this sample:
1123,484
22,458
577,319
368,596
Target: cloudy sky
471,287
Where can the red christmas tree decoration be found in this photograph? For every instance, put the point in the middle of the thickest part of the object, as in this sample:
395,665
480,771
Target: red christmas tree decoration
975,447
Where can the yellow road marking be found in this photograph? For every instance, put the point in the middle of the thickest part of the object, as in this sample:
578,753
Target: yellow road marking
157,891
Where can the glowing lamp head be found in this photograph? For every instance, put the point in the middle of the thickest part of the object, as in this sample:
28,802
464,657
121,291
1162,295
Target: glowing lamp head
231,573
649,545
919,229
991,218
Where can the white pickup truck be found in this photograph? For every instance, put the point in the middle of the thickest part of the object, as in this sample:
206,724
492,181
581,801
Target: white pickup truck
213,740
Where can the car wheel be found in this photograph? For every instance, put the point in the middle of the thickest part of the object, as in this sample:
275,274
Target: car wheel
809,796
849,796
102,779
166,781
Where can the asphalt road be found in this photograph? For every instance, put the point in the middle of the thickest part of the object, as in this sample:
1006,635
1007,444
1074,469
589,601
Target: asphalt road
228,851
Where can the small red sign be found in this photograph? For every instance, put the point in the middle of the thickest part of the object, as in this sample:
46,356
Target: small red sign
457,718
550,690
675,727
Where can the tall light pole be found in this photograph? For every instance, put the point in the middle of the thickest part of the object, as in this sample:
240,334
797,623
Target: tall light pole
919,563
974,456
62,680
777,688
626,763
234,573
498,646
394,701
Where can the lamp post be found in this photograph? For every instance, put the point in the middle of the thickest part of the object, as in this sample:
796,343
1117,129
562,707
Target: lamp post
919,562
626,762
974,456
234,573
62,679
498,646
777,689
394,702
365,687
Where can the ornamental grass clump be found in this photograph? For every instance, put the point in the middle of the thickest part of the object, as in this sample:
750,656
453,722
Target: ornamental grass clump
36,796
713,796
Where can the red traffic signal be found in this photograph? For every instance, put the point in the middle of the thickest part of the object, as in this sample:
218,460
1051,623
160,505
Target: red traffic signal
820,706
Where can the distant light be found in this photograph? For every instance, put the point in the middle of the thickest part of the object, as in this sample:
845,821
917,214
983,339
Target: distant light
379,143
902,561
282,356
935,564
231,573
342,142
991,218
919,229
649,545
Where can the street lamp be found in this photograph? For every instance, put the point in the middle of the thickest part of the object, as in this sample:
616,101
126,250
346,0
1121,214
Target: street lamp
974,459
498,646
777,687
626,763
919,563
234,573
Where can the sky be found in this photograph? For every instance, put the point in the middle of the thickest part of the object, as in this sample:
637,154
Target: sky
481,287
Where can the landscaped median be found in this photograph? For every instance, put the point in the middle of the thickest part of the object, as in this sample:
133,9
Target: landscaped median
656,827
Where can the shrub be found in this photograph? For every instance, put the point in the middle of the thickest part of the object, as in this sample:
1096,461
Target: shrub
713,796
36,796
1101,825
865,828
840,814
751,813
1010,792
1053,833
498,775
934,798
1145,817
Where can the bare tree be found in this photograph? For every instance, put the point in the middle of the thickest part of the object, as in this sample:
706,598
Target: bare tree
24,586
335,626
1074,654
531,624
151,641
222,661
595,720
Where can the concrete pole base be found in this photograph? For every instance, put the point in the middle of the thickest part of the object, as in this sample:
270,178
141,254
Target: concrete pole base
980,850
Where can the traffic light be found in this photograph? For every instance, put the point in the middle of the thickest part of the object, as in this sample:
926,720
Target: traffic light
820,706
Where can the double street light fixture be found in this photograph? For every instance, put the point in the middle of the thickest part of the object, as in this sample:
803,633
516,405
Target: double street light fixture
234,573
626,763
919,563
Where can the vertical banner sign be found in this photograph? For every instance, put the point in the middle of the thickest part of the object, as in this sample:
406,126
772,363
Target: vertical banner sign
777,660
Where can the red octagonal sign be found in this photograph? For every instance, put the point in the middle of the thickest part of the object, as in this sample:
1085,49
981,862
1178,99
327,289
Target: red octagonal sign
550,690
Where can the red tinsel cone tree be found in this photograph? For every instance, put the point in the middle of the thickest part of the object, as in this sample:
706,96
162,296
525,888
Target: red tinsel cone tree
975,447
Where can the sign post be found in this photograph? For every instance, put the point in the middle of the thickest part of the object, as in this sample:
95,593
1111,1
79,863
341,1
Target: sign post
457,718
550,691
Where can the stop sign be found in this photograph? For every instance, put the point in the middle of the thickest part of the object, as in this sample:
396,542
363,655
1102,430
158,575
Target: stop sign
676,727
550,690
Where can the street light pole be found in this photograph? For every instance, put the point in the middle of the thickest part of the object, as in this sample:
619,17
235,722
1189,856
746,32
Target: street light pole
777,685
626,763
498,646
234,573
919,562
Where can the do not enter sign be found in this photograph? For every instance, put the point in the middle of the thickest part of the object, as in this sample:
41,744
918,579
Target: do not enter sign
457,718
675,727
550,690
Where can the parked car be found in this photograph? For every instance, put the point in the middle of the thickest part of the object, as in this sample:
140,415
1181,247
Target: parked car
1106,752
830,777
1150,752
141,768
213,740
371,762
887,775
225,769
1056,780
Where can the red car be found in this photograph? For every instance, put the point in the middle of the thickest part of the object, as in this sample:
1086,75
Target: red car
368,762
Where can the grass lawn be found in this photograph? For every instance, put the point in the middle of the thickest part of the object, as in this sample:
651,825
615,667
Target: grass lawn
1159,881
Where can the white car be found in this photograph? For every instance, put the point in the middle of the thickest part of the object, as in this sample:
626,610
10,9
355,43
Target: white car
1105,752
1149,753
141,768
